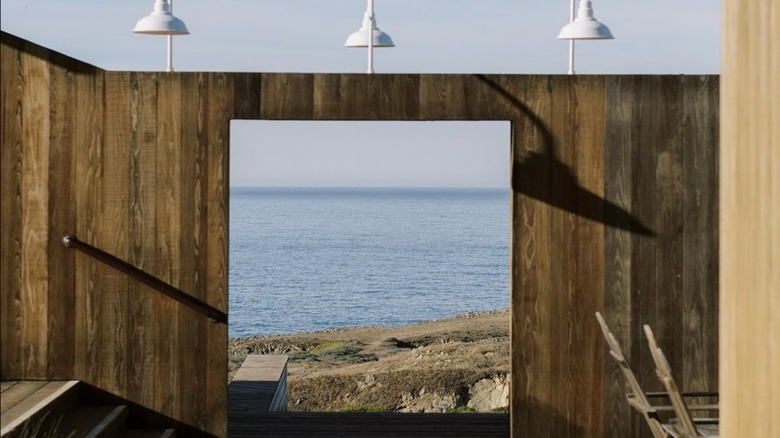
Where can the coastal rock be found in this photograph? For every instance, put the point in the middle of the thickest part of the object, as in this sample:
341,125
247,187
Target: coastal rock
424,401
489,394
367,382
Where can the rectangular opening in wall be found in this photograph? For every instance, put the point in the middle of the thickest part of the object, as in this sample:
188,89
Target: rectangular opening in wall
374,254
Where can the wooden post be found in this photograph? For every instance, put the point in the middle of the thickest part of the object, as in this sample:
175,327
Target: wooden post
750,219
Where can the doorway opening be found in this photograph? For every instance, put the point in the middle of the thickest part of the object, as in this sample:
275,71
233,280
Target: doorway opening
391,227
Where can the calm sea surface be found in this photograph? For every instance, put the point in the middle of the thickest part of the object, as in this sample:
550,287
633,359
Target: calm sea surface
306,259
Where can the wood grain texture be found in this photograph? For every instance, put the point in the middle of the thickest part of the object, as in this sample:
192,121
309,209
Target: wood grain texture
586,338
168,233
247,90
287,96
394,97
654,284
441,97
19,393
11,80
191,373
558,290
668,210
113,235
645,308
220,106
532,262
619,419
700,237
142,359
61,287
89,160
6,385
749,225
327,94
88,138
34,211
612,209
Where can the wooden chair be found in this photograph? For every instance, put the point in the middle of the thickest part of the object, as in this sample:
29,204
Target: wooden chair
685,425
637,398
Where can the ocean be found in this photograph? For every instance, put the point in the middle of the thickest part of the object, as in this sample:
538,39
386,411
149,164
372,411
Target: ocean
304,259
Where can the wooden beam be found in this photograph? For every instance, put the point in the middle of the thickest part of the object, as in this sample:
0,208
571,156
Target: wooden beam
750,219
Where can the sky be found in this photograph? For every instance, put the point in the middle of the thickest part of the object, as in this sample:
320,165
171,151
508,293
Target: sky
431,36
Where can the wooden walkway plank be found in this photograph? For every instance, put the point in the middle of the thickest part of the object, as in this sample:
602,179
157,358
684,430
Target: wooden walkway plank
7,384
19,393
258,385
25,399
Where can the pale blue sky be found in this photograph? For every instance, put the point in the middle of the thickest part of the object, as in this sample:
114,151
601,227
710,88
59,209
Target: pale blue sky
431,36
359,154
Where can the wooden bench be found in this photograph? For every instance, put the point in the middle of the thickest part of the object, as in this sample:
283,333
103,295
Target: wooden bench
259,386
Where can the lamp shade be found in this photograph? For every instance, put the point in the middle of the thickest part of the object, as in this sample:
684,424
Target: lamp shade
161,21
585,27
359,38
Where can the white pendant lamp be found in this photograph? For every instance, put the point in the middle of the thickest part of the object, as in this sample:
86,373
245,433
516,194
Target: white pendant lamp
360,38
583,27
162,22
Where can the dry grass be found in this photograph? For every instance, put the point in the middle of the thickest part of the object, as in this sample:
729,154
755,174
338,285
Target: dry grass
339,392
376,367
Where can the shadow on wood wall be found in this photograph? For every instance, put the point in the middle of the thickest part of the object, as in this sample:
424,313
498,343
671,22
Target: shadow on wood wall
544,177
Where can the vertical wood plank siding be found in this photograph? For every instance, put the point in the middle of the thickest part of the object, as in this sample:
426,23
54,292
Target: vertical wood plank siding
11,343
193,268
614,207
61,287
34,212
617,251
220,104
112,234
142,335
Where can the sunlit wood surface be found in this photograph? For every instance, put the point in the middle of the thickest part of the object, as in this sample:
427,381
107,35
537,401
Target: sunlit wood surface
22,400
750,220
259,386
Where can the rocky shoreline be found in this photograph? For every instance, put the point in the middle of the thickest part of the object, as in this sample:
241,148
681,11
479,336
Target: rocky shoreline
457,364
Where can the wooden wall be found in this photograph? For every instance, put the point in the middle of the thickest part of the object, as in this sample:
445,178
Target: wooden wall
135,164
750,234
614,208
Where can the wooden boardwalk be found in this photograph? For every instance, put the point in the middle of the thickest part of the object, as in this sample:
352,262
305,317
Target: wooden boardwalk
259,386
348,425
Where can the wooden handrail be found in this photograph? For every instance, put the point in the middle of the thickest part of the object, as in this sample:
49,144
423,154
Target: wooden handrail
71,241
